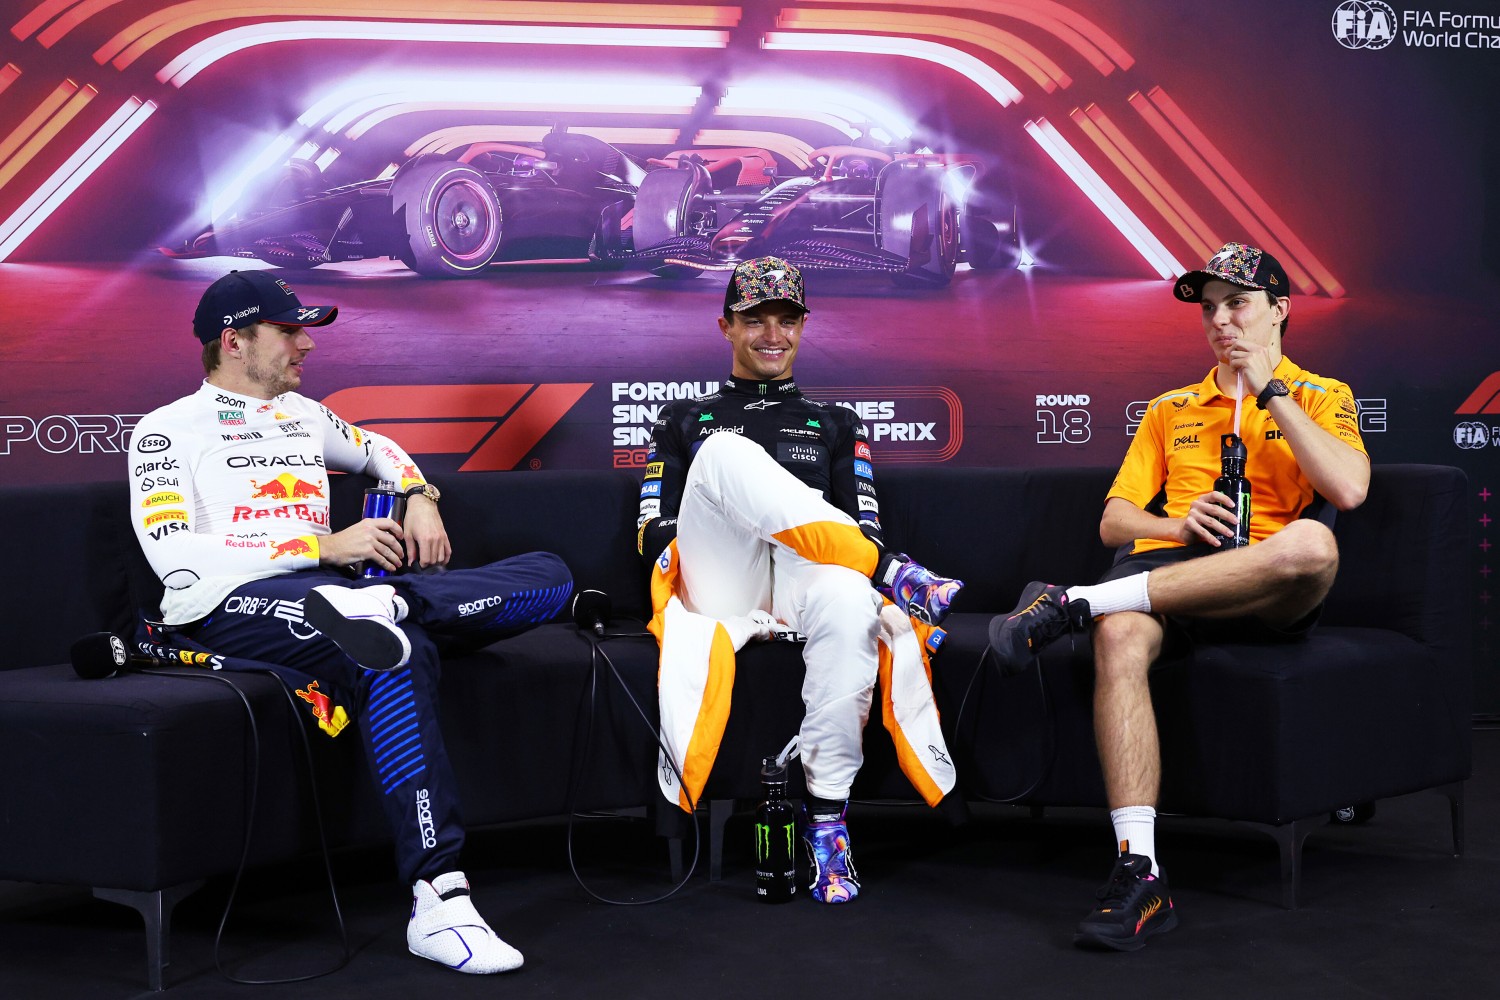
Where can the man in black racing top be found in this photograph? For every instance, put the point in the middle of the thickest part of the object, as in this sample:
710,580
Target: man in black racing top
759,513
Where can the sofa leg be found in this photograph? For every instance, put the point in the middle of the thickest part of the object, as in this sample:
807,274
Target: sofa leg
719,811
156,909
1455,796
1289,838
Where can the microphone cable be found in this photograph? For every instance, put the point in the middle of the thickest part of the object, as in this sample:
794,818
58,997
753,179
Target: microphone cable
581,750
252,807
1050,755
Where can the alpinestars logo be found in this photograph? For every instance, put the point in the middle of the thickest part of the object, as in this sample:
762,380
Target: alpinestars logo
508,421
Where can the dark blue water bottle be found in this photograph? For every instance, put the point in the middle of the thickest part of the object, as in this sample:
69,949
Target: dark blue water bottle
383,500
775,836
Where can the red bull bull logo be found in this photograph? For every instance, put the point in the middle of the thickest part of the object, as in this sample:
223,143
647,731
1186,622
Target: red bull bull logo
304,545
331,718
286,487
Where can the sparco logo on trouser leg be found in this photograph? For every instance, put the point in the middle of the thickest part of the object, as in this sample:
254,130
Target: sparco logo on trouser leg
424,819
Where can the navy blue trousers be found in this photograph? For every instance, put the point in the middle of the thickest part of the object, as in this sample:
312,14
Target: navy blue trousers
395,712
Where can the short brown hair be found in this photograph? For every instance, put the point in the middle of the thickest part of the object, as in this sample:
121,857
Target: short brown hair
211,350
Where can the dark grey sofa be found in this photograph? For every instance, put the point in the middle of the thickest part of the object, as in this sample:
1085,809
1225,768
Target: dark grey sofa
136,785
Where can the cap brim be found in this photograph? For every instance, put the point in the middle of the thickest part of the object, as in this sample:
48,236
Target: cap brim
1189,287
740,307
304,316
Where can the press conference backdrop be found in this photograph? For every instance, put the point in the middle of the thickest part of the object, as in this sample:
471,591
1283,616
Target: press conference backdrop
1069,159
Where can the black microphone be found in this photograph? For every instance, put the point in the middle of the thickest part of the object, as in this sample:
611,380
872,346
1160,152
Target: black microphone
591,610
104,654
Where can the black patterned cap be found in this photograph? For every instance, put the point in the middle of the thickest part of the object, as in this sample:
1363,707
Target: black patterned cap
1238,264
764,279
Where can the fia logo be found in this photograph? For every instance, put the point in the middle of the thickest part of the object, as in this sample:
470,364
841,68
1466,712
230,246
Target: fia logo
1364,24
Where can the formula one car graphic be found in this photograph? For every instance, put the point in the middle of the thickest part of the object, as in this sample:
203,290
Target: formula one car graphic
441,216
580,200
856,209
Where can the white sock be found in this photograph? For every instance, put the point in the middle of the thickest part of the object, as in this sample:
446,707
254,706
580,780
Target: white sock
1126,594
1135,832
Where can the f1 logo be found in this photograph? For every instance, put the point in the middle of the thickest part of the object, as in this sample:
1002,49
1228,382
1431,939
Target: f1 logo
1485,399
494,425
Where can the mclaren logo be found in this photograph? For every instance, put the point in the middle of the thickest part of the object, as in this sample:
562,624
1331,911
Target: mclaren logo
508,421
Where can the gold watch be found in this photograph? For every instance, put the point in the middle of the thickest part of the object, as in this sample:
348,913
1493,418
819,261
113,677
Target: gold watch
427,490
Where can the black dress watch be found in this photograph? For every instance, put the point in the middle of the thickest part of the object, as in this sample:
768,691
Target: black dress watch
1273,388
428,490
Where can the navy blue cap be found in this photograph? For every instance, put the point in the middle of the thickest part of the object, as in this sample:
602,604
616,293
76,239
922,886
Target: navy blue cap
243,298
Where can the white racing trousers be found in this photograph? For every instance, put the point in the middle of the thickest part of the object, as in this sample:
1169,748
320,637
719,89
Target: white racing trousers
750,537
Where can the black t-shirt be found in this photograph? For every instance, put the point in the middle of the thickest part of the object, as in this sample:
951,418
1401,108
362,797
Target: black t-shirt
823,446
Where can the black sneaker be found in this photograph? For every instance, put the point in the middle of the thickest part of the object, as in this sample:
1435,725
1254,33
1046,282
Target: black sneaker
1133,905
1043,614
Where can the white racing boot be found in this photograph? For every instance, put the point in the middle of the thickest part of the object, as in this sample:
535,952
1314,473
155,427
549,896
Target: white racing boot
362,623
446,928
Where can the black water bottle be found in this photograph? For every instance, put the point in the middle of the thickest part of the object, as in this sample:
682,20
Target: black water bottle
775,835
1233,484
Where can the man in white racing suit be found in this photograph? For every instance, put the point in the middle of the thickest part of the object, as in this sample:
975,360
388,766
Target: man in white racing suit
229,500
759,514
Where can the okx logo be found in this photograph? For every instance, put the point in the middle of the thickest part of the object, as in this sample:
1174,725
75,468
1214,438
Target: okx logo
1364,24
494,426
1483,401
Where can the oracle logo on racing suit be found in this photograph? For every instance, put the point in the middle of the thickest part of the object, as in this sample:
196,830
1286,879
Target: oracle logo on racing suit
265,462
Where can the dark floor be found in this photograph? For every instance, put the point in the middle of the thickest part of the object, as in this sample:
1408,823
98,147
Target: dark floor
986,909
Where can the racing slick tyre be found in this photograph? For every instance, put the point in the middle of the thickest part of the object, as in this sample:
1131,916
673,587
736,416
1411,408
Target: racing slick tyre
988,244
452,217
663,210
916,218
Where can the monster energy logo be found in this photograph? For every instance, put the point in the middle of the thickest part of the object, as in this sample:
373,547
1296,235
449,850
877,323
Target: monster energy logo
763,840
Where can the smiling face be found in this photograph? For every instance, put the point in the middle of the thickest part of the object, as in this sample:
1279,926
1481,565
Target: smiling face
765,339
